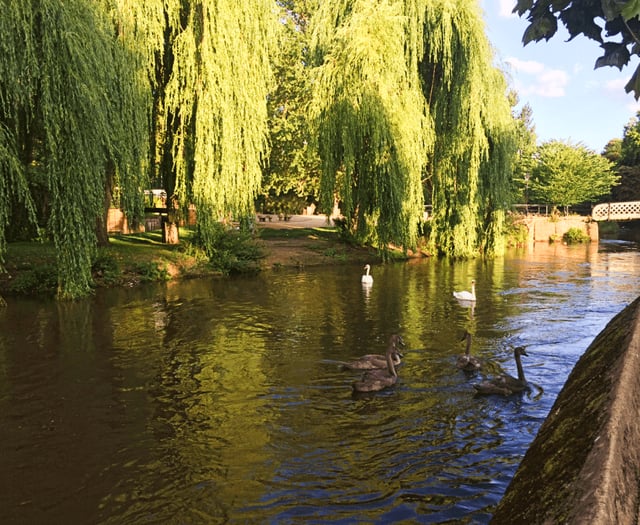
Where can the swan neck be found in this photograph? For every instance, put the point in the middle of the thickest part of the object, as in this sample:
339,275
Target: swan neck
520,369
390,366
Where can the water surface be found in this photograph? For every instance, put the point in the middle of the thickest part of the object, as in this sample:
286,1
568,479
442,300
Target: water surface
221,401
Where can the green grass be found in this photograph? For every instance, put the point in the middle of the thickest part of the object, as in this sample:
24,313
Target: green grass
142,257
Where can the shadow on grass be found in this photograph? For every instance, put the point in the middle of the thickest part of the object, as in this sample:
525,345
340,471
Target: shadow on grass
328,233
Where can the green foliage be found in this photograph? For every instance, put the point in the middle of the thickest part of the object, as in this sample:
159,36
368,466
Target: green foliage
526,147
625,153
630,145
373,132
517,233
69,104
575,236
232,251
293,167
215,105
42,279
106,268
617,36
150,271
567,174
470,172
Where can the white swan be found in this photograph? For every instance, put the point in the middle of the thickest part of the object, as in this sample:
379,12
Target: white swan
366,278
467,296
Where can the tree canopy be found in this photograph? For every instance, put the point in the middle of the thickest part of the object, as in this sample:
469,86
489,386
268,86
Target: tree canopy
466,95
407,90
70,116
92,92
566,174
293,171
625,153
400,97
373,133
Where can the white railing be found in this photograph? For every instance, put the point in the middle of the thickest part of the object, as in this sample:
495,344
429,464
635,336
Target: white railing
616,211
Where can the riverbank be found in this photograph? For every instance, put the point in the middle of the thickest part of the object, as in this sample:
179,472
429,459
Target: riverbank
583,466
302,241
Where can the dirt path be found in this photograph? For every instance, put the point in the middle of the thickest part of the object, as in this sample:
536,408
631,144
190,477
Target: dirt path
308,250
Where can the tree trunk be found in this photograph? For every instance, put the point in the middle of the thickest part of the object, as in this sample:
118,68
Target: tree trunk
102,235
170,229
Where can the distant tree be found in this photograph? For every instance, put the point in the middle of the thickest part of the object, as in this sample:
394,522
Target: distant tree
614,24
613,150
526,147
293,167
566,174
628,163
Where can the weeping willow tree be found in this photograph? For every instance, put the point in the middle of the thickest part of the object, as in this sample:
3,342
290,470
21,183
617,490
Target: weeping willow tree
470,172
407,89
372,129
69,115
209,66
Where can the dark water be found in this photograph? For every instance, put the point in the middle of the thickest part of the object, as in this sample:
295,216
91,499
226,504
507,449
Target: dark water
219,401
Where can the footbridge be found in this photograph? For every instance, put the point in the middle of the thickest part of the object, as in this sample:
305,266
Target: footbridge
616,211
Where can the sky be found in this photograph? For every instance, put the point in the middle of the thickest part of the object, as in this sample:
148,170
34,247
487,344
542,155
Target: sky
570,100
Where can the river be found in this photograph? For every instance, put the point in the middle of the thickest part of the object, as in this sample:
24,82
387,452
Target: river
221,400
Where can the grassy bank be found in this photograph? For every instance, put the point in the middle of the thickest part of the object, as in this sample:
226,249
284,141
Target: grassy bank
128,260
138,258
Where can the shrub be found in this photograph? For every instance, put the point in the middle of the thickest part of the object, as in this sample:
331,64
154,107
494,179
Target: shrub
106,268
151,271
575,236
42,279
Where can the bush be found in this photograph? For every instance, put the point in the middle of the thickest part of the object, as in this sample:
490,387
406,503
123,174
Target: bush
151,271
233,251
106,268
42,279
575,236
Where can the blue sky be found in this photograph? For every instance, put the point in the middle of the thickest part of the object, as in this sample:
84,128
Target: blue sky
570,99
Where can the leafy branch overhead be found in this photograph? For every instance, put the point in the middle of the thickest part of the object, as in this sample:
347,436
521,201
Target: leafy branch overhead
614,24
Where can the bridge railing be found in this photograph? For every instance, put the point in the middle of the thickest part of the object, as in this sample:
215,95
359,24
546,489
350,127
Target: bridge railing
616,211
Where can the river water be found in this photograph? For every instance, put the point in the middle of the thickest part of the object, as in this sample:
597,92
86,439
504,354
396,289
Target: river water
221,401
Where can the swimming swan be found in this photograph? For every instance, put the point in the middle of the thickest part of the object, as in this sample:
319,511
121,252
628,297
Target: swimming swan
466,361
377,361
505,384
467,296
366,278
379,379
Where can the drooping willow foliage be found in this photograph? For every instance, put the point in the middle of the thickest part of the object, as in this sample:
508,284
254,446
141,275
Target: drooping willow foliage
470,172
98,95
373,131
221,80
407,89
210,71
69,110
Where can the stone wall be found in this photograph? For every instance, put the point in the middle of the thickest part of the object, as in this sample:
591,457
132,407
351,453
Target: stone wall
544,229
584,464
